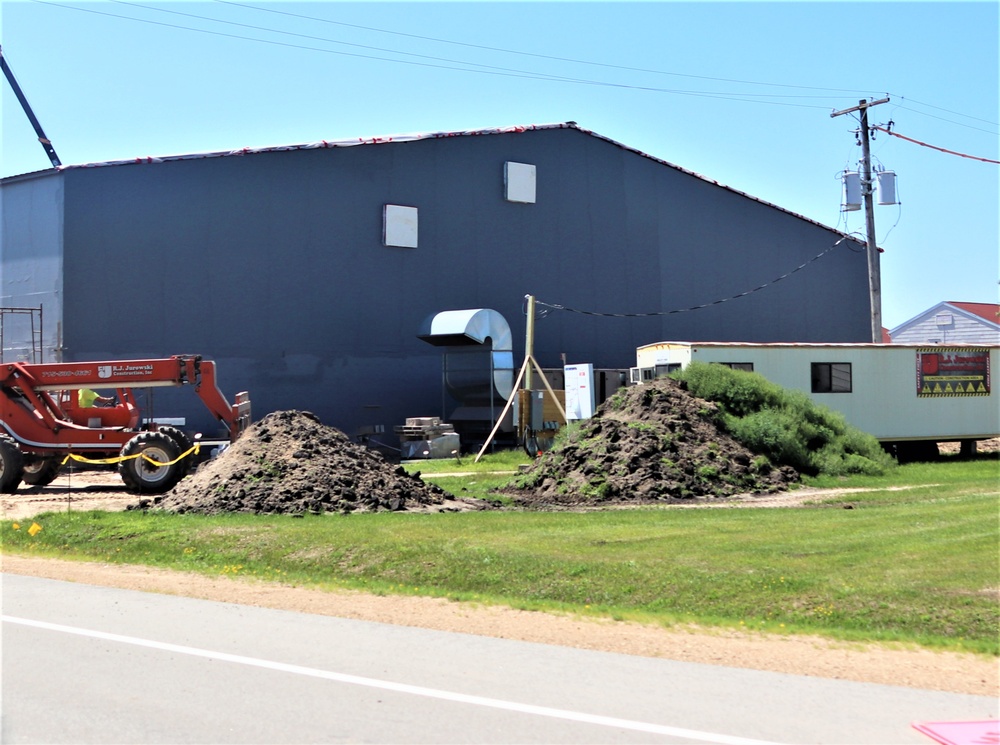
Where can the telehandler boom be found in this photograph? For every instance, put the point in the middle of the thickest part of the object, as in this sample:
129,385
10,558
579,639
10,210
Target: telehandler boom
44,422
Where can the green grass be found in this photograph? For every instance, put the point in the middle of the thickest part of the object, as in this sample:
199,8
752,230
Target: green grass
491,473
914,565
981,471
502,461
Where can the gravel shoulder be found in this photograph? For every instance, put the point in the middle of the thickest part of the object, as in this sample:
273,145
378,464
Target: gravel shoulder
799,655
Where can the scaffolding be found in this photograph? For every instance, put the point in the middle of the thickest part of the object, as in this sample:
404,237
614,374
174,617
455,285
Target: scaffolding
26,339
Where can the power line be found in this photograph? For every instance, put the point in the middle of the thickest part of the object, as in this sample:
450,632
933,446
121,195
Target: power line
448,64
527,73
516,72
934,147
603,64
800,267
947,111
267,29
488,70
533,54
949,121
297,46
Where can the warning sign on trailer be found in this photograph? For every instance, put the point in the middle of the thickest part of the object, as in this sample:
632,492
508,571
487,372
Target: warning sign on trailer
953,372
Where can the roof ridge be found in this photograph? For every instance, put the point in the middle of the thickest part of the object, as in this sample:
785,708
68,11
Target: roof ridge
417,136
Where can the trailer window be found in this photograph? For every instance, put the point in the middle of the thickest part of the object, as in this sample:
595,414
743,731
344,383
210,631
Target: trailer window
667,369
831,377
746,366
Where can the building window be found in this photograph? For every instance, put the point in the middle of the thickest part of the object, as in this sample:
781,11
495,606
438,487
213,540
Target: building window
399,226
519,182
831,377
745,366
668,369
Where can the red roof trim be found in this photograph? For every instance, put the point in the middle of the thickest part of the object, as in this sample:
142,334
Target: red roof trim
987,311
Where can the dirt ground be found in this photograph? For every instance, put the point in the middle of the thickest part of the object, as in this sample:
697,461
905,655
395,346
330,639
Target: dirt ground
801,655
81,491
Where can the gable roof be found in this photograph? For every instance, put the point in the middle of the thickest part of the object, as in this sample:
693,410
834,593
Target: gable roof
412,137
987,311
987,314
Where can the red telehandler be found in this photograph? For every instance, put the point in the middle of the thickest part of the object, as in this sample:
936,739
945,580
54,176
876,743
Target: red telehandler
44,422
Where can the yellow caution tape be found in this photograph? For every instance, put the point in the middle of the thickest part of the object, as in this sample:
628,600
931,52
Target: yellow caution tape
106,461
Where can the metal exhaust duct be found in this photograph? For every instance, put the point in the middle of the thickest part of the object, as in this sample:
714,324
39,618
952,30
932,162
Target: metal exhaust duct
469,331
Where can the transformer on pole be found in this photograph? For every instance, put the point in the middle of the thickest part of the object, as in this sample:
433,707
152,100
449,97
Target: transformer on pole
874,271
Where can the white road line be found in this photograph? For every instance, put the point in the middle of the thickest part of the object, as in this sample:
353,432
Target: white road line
387,685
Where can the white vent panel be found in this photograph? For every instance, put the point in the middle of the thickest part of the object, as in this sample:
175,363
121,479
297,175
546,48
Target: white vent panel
399,226
519,182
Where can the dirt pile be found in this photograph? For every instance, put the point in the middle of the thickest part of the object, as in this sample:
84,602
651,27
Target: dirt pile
649,443
289,462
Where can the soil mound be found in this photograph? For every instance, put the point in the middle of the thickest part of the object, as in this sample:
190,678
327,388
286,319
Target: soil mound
289,462
649,443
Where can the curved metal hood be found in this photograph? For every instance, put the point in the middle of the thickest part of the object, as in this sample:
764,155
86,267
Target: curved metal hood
463,330
459,328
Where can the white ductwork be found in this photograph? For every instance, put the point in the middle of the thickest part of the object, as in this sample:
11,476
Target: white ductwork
462,329
453,328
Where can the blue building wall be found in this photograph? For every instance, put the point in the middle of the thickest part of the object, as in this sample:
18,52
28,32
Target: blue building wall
273,264
31,266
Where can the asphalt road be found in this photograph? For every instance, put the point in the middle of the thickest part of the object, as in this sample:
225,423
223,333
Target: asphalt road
84,664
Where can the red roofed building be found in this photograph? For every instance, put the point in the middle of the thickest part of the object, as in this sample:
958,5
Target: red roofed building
952,322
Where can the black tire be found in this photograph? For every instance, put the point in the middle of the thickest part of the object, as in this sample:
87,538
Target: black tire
183,443
41,471
11,465
142,476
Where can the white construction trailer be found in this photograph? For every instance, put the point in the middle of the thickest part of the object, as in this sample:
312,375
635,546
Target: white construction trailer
900,393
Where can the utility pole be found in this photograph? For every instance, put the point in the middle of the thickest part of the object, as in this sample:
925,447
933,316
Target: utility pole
529,339
874,272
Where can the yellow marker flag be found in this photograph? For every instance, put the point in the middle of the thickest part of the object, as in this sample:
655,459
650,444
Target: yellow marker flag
16,526
34,530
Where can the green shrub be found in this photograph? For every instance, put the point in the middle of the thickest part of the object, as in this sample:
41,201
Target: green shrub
773,433
785,425
738,393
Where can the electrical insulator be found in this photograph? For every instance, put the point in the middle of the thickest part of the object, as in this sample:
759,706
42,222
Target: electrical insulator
886,187
852,191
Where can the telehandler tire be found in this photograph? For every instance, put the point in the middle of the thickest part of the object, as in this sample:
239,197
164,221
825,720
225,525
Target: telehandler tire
39,471
183,443
11,465
139,474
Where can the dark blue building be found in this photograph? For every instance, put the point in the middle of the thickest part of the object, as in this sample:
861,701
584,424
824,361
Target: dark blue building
307,271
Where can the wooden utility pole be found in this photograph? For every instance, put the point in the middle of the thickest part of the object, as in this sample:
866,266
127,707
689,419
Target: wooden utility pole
529,339
874,270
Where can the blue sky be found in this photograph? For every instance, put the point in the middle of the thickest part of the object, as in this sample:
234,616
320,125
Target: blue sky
740,92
